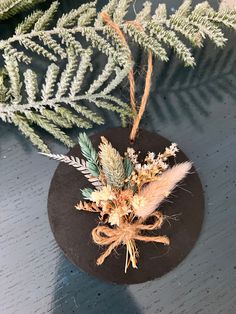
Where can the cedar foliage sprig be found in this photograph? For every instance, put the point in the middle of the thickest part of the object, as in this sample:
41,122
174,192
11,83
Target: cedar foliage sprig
9,8
74,39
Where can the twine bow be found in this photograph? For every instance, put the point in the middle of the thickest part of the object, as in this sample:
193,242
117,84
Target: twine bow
126,234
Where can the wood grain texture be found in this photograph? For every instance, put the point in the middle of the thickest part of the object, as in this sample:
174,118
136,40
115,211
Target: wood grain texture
195,108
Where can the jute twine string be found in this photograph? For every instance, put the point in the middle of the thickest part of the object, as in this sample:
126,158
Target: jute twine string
126,234
138,114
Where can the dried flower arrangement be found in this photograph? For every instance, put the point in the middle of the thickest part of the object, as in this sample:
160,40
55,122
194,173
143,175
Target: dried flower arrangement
126,193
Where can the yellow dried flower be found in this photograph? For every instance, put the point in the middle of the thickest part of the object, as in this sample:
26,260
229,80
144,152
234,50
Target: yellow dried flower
137,202
105,194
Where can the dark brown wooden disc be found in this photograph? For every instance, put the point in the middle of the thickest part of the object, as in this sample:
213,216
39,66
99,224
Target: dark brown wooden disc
72,228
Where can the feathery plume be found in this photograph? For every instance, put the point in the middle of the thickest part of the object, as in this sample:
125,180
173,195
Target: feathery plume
155,192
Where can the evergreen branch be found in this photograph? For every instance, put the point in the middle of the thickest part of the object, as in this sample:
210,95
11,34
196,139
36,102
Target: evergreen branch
145,13
103,77
44,21
34,47
124,112
120,76
146,42
9,8
169,37
56,118
160,15
3,88
80,74
12,68
53,45
67,74
18,55
73,119
27,131
49,127
87,113
121,10
86,18
82,34
31,85
28,23
50,81
71,19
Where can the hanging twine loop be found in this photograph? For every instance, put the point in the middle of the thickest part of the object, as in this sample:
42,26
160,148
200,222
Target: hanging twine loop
138,113
127,234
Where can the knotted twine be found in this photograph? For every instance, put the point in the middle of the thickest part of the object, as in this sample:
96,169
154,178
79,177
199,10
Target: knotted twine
126,234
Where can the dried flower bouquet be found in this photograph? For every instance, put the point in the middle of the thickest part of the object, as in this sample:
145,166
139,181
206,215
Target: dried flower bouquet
126,193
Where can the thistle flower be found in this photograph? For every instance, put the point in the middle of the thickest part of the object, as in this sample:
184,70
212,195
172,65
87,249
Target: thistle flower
155,192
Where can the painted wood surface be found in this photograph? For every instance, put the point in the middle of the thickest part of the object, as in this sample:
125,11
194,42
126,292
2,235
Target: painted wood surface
195,108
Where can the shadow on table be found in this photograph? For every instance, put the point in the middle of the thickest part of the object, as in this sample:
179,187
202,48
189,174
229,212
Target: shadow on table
77,292
181,95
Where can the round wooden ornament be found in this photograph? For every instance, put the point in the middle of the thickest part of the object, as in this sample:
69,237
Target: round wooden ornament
72,228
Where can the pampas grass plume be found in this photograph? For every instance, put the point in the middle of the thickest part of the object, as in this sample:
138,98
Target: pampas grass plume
155,192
